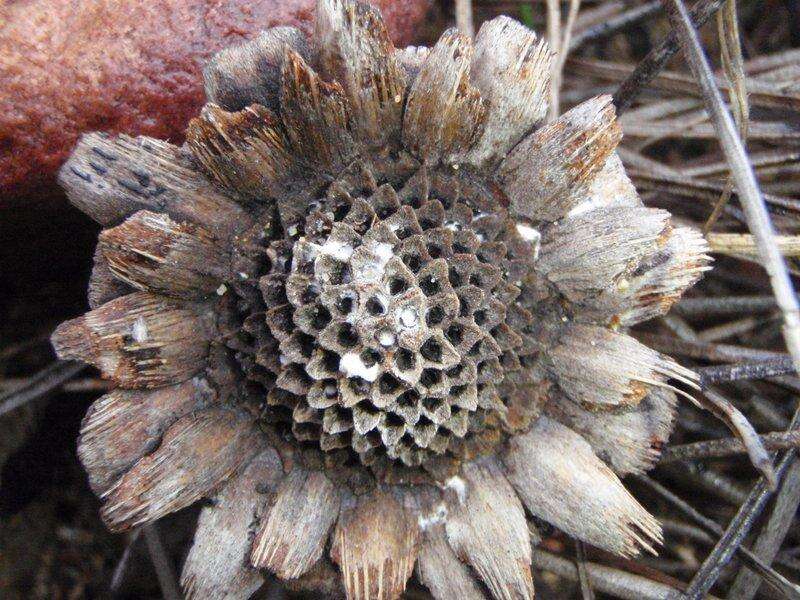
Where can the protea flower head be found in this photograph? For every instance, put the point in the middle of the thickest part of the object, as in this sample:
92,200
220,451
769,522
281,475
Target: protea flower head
376,309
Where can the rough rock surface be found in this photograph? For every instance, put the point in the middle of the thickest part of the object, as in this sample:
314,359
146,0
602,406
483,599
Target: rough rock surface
127,66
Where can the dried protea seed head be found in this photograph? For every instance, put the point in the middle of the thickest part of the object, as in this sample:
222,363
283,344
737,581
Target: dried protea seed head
377,287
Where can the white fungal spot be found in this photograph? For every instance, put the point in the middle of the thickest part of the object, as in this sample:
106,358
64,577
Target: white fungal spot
383,251
304,252
243,275
530,234
283,359
459,486
370,266
437,516
386,338
139,331
352,366
222,289
338,250
623,284
292,230
409,317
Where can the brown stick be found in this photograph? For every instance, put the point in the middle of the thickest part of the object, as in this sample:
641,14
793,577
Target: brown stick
164,569
619,584
658,57
776,440
45,381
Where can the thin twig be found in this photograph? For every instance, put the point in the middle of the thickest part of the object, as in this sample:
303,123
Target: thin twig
754,370
614,24
464,20
707,351
673,82
87,384
675,528
733,65
574,6
738,528
738,423
762,159
45,381
658,57
13,349
736,327
583,576
746,245
608,580
721,486
681,185
163,567
740,525
777,440
122,566
554,41
697,126
725,305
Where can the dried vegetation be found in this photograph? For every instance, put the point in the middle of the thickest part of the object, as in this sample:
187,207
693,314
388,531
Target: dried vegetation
727,488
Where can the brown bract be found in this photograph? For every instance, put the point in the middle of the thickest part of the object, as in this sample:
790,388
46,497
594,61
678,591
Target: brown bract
128,66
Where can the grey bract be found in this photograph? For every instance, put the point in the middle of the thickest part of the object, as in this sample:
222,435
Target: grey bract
376,309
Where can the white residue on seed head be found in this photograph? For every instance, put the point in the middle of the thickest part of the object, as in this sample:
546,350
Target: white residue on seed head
459,486
532,235
386,337
369,262
352,366
139,331
382,251
435,517
408,317
338,250
528,233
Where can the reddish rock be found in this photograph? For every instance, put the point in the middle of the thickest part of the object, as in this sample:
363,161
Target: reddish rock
124,66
